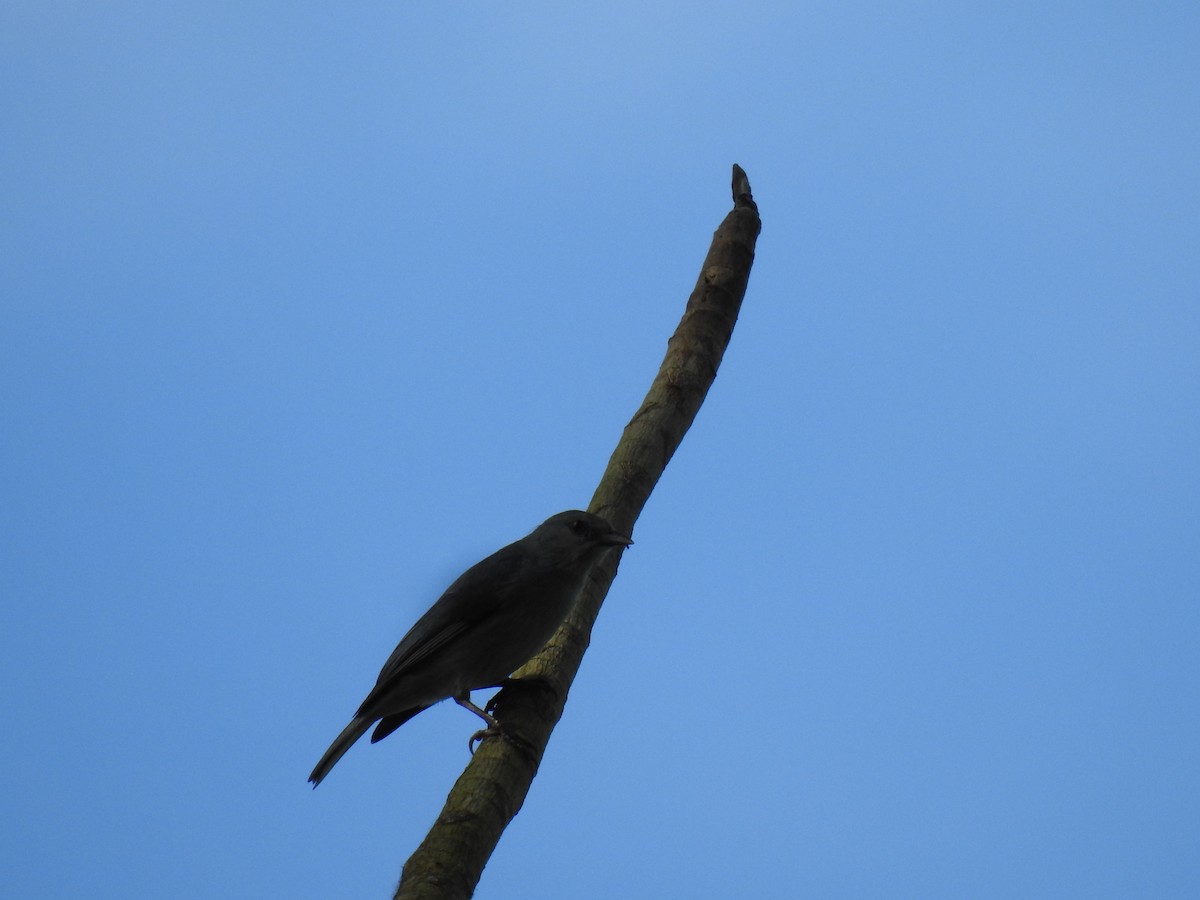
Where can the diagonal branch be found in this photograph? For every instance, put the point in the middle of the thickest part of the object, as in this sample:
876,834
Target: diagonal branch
494,785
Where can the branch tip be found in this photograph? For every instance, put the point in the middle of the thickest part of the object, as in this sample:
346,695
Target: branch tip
741,187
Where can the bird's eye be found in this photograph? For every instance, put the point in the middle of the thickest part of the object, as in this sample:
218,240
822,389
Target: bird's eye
579,526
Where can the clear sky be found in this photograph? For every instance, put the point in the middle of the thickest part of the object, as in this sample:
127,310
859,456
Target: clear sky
308,306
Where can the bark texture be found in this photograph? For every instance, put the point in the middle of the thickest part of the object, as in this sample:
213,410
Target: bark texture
490,791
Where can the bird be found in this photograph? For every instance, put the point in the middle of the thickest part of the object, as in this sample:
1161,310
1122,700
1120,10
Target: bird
488,623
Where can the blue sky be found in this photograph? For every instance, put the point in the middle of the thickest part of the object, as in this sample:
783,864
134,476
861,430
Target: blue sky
307,308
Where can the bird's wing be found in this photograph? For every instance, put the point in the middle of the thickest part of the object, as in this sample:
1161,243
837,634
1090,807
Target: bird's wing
473,598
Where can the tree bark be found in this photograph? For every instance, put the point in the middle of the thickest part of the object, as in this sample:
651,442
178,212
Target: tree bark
490,791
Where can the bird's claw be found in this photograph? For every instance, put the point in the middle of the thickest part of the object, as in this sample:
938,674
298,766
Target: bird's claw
519,742
481,735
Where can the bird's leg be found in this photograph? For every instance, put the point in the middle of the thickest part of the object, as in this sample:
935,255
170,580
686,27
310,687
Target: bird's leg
493,729
464,700
490,707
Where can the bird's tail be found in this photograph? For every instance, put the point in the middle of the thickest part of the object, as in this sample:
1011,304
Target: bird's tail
357,728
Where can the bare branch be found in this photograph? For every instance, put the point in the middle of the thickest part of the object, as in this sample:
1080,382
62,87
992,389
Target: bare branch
494,785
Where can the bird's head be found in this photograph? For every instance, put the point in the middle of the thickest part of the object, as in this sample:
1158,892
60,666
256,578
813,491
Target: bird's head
575,536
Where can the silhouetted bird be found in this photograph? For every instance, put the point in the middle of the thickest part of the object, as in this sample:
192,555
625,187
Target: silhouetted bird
489,622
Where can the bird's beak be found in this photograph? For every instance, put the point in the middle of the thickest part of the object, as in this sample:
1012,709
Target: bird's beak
614,539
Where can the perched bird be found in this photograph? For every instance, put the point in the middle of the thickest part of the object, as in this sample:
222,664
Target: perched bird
490,621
